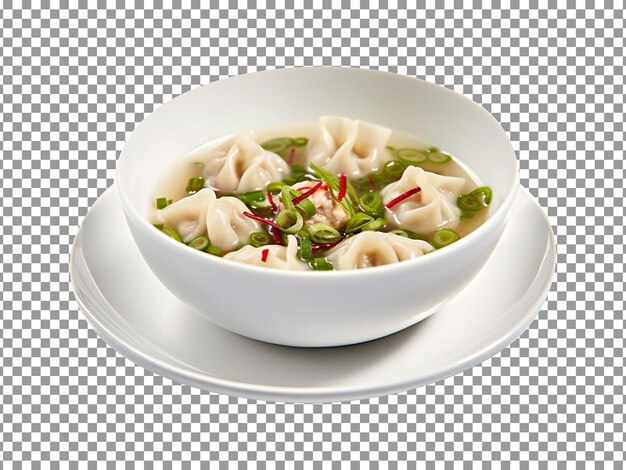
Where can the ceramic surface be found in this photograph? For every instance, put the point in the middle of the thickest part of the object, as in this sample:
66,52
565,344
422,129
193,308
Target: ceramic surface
316,308
133,312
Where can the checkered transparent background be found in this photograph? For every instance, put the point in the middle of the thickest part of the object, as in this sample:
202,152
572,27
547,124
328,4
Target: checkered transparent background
74,83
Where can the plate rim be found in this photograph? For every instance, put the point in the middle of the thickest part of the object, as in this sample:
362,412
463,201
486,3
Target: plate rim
288,394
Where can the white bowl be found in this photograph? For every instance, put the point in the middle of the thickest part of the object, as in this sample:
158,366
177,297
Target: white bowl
315,308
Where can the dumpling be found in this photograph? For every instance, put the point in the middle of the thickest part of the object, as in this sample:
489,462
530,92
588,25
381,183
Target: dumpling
368,249
188,216
432,208
227,227
279,257
236,164
343,145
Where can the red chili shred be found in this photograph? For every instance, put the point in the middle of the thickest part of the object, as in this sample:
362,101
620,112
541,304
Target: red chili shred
402,197
306,194
261,219
343,186
276,234
264,254
270,199
372,182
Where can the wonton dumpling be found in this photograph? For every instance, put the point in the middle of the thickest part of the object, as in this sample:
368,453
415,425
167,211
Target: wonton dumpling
236,164
188,216
279,257
432,208
368,249
227,227
343,145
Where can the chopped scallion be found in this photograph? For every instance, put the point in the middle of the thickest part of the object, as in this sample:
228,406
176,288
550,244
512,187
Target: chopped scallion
412,156
158,226
307,207
400,233
372,203
376,224
438,157
172,233
162,203
305,250
358,221
290,221
469,203
252,196
320,264
486,193
444,237
275,187
214,250
195,184
300,141
323,233
258,239
394,169
278,145
199,243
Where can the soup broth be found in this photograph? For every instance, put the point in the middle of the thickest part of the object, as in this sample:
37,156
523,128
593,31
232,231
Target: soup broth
306,196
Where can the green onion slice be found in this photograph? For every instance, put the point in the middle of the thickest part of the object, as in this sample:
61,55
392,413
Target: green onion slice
438,157
372,203
389,147
300,141
307,208
411,156
323,233
375,224
214,250
444,237
320,264
278,145
358,221
258,239
252,196
161,203
407,234
158,226
195,184
305,251
275,187
171,232
394,169
199,243
290,220
469,203
286,193
486,193
400,233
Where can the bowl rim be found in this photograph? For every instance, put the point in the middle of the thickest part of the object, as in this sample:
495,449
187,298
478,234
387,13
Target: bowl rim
492,221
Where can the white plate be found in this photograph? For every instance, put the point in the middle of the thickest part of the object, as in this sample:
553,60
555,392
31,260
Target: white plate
138,317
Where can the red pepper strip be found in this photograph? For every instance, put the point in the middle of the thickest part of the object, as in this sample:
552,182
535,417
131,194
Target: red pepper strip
306,194
261,219
264,254
270,199
276,234
323,246
402,197
372,183
343,187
